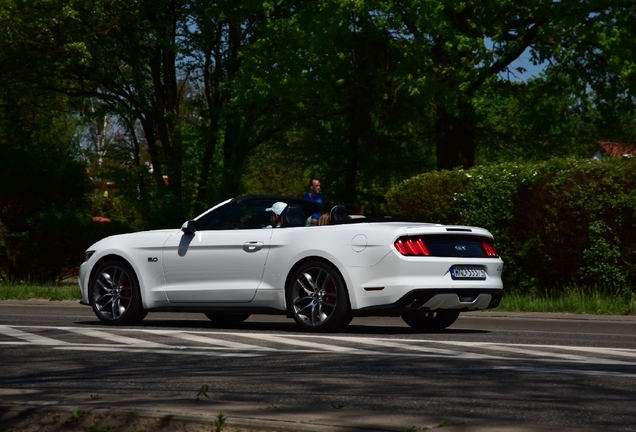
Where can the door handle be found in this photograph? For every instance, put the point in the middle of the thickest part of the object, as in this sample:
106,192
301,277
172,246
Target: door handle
253,246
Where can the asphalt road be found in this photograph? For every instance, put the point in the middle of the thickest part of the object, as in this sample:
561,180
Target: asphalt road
489,371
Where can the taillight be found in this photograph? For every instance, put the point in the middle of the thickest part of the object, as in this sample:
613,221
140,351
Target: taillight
446,246
489,249
411,247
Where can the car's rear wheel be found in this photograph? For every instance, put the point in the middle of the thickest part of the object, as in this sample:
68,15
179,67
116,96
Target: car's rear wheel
430,320
226,318
114,294
318,299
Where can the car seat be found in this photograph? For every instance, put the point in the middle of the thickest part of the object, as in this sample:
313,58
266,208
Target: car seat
339,214
293,217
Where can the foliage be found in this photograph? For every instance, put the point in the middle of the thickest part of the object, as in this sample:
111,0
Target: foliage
603,60
76,415
366,88
274,171
547,116
43,207
350,121
556,223
174,106
219,422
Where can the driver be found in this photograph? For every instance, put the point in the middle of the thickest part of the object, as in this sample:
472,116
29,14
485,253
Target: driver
276,209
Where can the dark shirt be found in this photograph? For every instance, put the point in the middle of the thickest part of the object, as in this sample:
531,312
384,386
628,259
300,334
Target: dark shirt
318,198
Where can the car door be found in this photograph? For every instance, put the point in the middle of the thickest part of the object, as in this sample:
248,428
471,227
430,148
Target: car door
222,261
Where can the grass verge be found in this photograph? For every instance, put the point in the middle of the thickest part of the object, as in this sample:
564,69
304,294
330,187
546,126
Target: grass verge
579,300
26,291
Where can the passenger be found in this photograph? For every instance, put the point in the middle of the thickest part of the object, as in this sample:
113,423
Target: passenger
276,209
315,195
324,219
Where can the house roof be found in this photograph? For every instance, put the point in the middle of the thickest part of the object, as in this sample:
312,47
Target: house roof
617,150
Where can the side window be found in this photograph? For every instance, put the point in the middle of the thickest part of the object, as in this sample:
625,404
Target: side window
252,214
246,215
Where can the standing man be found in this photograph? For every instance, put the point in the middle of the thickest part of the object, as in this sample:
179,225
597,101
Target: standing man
315,195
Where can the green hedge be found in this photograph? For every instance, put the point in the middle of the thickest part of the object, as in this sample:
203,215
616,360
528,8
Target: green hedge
556,224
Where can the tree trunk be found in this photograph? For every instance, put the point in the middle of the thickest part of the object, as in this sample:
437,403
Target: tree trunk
234,154
212,83
455,137
351,167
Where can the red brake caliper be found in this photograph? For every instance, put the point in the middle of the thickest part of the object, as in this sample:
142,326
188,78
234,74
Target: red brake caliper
126,292
331,288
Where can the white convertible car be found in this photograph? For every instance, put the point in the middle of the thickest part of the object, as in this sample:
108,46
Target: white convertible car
260,255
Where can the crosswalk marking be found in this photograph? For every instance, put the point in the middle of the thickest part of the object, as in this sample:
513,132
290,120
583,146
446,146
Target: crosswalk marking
158,351
210,341
429,350
307,344
28,337
224,344
623,352
116,338
543,354
567,371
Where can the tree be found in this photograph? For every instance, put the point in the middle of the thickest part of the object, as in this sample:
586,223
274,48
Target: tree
359,92
43,208
452,48
350,119
146,62
547,116
602,59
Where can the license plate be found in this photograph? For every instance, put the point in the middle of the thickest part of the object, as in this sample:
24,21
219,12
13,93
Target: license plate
468,272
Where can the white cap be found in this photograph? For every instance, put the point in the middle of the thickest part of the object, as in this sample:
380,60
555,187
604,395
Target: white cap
277,208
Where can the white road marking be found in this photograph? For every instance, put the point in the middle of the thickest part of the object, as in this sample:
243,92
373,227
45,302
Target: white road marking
116,338
566,371
210,341
434,352
29,337
130,349
307,344
300,344
523,349
623,352
560,356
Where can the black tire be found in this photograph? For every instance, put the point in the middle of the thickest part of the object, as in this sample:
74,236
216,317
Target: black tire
317,298
114,294
430,320
226,319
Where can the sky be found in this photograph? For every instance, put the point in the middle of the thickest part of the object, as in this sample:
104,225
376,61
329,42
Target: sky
523,61
531,70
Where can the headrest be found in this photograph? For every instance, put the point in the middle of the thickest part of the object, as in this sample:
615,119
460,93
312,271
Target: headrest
339,214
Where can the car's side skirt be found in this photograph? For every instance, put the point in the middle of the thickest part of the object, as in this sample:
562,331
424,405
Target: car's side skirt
220,309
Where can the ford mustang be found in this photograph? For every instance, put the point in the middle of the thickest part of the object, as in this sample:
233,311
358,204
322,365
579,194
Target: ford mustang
261,255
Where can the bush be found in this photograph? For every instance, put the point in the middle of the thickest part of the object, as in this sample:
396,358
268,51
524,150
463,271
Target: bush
556,223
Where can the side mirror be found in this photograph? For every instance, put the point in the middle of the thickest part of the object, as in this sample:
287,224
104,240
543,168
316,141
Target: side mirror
189,227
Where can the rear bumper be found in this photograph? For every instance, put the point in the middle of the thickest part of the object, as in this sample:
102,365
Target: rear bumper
434,299
397,281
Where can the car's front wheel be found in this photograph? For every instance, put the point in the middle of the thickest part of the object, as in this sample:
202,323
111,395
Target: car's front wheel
430,320
114,294
317,297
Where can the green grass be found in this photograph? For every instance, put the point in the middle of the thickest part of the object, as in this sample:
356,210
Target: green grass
580,300
29,291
